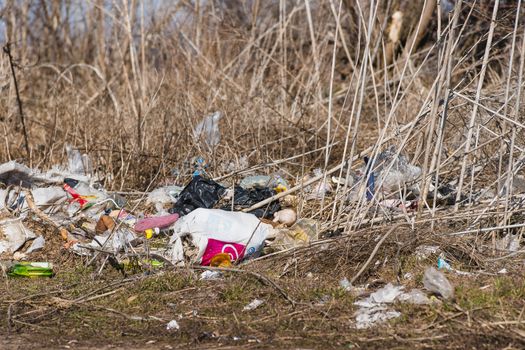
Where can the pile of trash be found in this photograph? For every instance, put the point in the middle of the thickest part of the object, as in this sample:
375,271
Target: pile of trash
203,222
206,221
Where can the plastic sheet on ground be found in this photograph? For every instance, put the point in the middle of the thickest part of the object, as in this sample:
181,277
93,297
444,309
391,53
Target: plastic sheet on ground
119,240
436,282
13,235
254,304
37,244
47,199
388,173
211,275
374,309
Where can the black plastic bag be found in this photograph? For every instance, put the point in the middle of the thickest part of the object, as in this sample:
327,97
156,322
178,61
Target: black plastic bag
245,198
199,193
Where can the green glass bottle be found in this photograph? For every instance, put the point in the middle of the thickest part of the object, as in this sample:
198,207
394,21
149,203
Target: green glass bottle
31,269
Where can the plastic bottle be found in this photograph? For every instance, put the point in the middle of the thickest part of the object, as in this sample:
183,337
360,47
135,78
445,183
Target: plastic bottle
274,181
31,269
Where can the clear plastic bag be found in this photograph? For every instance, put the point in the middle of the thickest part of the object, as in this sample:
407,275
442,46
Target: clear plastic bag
436,282
74,160
208,129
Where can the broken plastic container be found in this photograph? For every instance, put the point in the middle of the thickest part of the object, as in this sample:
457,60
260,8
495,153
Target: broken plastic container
275,182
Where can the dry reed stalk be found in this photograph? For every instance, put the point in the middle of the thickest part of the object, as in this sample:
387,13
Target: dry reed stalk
475,109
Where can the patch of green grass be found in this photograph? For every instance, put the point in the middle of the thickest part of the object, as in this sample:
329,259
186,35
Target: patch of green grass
504,290
167,282
234,293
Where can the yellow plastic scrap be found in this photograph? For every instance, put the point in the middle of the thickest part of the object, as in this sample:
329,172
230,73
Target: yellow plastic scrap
280,188
221,260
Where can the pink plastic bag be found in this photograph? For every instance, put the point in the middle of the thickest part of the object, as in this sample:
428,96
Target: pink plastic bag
214,247
157,221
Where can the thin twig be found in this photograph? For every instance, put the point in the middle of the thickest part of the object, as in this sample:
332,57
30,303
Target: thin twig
7,51
385,236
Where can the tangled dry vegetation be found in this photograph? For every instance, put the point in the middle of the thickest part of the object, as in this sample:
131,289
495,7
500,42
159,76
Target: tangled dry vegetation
302,85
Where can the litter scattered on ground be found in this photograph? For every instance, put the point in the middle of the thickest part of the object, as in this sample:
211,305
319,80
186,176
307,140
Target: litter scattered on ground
13,235
345,284
211,275
205,223
208,130
424,251
214,231
443,264
199,193
254,304
275,182
319,190
31,269
375,308
436,282
390,171
299,234
173,325
286,217
415,296
510,242
164,198
36,245
367,317
245,198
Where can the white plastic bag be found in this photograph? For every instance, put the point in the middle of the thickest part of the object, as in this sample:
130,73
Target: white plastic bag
215,231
